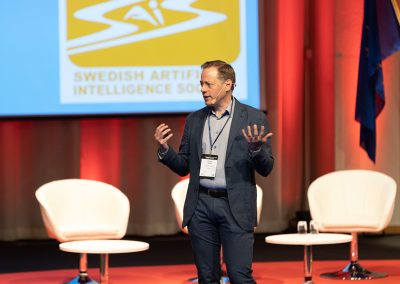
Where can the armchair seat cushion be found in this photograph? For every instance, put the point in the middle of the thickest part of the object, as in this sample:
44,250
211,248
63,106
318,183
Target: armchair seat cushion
364,226
77,232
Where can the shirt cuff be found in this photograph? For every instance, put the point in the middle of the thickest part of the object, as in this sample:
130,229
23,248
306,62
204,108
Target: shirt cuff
254,148
161,154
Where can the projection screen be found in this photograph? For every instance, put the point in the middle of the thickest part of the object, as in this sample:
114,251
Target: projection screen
94,57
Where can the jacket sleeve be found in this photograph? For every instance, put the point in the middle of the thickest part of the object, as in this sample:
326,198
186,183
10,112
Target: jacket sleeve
263,160
179,162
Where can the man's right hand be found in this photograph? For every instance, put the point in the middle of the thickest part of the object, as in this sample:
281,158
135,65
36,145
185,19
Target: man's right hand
162,135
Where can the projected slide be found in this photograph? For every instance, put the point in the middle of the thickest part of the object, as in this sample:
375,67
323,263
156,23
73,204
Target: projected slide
90,57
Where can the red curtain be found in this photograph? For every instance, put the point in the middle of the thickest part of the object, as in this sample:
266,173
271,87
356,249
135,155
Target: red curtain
309,55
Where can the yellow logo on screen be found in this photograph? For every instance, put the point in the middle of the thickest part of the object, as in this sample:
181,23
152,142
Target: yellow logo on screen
151,33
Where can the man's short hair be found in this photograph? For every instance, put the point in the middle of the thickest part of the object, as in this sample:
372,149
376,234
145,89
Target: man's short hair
225,70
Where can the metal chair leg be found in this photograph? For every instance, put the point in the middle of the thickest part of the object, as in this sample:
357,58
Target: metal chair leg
353,270
83,277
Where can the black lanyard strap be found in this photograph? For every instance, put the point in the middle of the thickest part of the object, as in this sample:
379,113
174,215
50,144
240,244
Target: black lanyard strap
209,128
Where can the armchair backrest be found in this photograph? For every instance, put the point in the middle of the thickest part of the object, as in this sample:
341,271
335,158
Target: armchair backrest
178,194
81,209
259,202
352,201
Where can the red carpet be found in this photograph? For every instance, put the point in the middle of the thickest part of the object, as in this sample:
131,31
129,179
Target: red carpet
264,272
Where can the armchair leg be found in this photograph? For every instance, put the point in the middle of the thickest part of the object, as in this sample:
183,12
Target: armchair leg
224,280
83,277
353,270
224,275
80,280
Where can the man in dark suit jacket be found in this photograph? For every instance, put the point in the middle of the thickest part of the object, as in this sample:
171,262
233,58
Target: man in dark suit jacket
222,146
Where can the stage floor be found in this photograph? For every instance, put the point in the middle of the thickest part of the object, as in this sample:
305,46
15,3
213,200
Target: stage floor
284,272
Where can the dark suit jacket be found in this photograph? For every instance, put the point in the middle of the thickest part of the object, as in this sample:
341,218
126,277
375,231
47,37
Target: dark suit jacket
240,167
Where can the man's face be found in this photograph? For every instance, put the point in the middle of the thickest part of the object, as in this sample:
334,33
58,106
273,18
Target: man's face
213,90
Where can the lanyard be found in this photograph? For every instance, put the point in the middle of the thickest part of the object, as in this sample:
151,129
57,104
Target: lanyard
209,128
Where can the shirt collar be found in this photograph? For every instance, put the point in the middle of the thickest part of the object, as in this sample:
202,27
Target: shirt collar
227,111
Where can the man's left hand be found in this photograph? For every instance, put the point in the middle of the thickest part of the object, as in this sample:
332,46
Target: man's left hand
254,137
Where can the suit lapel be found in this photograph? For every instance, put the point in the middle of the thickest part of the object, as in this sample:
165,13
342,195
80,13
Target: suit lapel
200,122
238,123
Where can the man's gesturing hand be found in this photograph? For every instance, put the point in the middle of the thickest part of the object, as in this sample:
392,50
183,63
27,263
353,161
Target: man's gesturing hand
254,137
162,135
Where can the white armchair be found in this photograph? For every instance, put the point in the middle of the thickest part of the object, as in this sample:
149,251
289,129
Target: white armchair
352,201
80,209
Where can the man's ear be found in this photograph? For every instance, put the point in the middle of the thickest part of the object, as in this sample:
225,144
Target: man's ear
228,85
